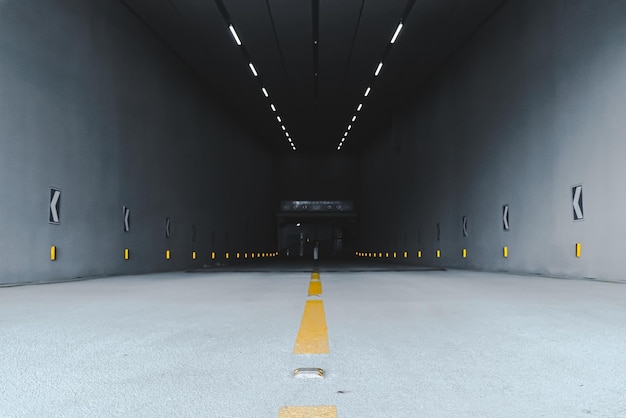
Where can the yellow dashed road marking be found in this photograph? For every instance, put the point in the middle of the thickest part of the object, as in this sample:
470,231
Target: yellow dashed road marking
308,412
315,288
313,335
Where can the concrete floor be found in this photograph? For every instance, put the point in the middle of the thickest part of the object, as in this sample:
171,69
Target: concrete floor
402,344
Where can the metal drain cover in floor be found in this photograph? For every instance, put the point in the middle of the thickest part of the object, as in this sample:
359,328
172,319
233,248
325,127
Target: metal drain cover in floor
308,373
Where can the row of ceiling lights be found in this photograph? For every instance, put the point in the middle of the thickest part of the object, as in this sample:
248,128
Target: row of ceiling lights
264,90
368,90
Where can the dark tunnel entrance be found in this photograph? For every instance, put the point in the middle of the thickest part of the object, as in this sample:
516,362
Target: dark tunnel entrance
317,229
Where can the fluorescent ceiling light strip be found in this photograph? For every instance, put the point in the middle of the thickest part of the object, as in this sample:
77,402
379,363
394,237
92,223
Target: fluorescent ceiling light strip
395,35
353,118
380,67
279,119
265,93
349,127
367,92
358,109
283,126
234,33
251,65
287,134
273,107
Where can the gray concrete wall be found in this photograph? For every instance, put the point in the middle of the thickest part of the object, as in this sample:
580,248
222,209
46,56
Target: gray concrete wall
93,103
529,107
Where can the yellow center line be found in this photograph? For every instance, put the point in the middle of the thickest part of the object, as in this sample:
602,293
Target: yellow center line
313,335
308,412
312,339
315,287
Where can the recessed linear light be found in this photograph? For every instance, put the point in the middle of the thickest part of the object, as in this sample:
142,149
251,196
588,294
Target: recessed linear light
232,30
353,118
367,92
358,109
265,93
273,107
345,133
349,127
279,119
343,139
395,35
283,126
287,134
380,67
251,65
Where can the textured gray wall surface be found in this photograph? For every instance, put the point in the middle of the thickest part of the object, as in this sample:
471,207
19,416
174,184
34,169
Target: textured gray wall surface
531,106
91,102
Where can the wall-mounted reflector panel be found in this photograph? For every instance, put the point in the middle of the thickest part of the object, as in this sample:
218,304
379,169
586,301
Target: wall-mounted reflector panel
234,33
419,254
55,206
53,253
505,217
213,255
126,212
464,252
126,254
505,252
194,255
395,255
577,202
438,253
578,249
227,255
168,254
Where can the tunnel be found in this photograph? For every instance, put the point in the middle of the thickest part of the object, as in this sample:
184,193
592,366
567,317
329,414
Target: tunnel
312,208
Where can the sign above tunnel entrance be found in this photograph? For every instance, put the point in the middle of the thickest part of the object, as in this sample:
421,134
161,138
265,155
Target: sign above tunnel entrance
317,206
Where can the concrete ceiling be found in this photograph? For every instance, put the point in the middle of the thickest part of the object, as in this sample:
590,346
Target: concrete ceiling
278,37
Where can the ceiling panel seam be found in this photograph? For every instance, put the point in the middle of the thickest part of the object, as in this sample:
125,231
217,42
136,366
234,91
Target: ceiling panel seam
356,32
160,38
315,7
280,50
